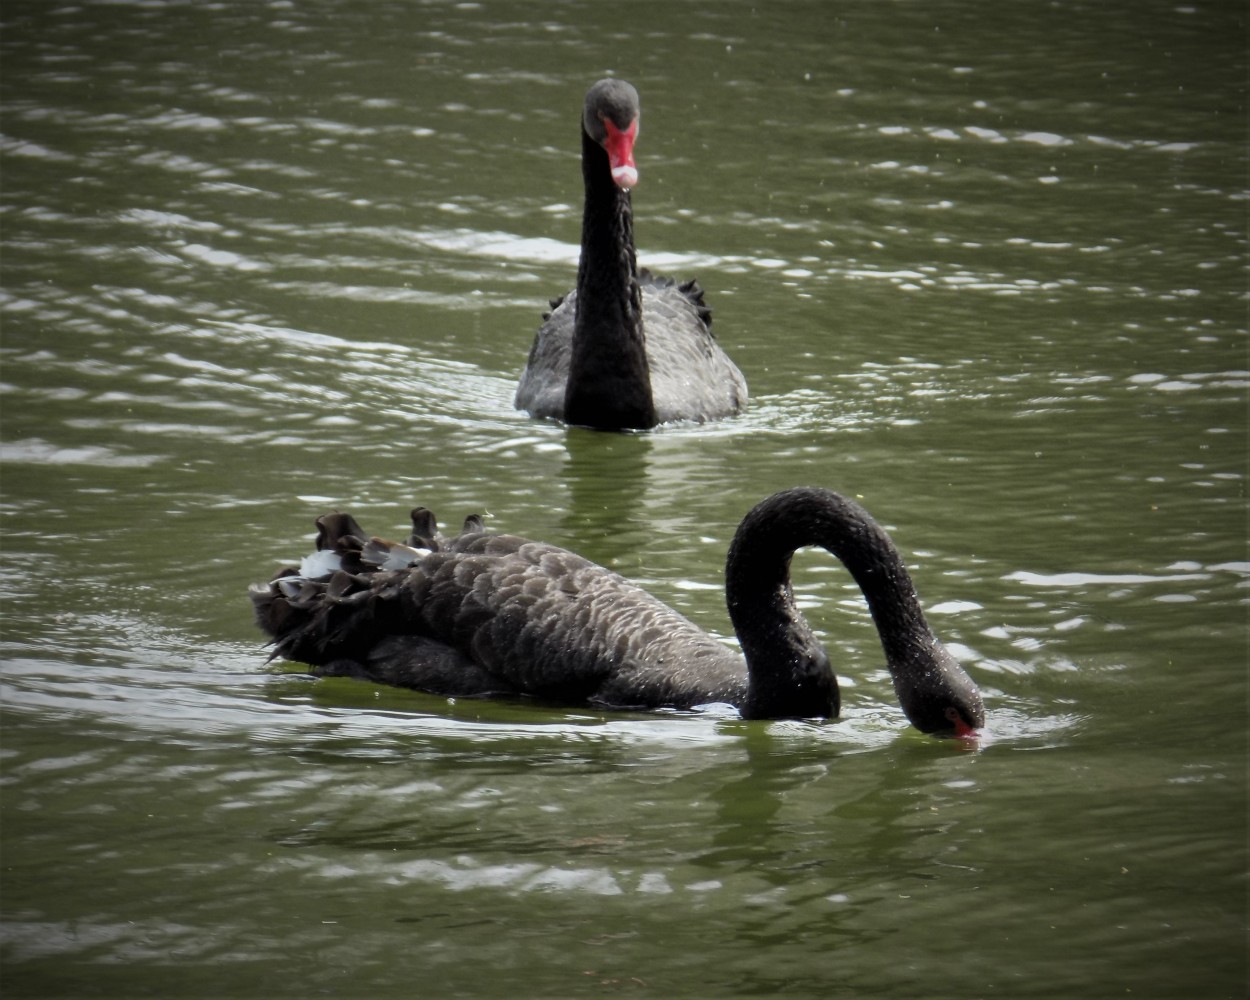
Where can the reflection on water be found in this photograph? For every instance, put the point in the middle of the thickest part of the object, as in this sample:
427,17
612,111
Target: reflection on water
264,261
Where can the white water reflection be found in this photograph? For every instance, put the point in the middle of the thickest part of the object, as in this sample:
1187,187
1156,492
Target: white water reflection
263,261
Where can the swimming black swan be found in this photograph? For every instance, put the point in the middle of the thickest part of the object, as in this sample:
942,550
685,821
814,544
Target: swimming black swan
486,614
624,350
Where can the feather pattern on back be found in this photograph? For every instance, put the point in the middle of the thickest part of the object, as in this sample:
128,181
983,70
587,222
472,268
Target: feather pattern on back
491,614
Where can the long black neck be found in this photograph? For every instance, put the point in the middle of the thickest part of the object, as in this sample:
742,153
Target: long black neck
609,382
789,670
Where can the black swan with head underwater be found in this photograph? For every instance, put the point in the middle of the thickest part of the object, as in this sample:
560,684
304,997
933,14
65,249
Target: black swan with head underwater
625,349
483,614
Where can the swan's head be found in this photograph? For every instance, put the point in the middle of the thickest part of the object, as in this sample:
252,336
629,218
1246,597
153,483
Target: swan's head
610,117
937,695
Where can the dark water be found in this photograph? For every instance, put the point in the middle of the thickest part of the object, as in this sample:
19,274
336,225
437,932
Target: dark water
983,267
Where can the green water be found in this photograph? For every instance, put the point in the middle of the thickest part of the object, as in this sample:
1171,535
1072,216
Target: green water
983,267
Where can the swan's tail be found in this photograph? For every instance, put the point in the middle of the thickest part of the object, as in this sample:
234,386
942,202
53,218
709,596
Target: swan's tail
312,612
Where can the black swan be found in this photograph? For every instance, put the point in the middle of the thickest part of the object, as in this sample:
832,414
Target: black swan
486,614
625,349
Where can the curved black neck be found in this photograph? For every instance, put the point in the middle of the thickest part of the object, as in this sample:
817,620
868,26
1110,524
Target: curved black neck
784,657
609,382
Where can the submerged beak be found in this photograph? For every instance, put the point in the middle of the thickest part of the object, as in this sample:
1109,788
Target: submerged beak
620,147
963,731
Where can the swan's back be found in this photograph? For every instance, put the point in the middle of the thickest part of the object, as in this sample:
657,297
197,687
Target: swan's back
692,378
488,614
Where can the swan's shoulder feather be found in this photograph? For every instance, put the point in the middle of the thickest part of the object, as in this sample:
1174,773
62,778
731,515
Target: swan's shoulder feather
671,292
541,389
692,378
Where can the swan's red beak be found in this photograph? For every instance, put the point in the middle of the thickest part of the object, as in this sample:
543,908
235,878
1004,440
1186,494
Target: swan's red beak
620,147
963,731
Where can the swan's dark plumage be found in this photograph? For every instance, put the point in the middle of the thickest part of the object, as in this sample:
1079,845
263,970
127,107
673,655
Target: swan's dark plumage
625,349
488,614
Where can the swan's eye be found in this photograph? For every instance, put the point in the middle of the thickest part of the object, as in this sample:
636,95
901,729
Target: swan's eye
961,726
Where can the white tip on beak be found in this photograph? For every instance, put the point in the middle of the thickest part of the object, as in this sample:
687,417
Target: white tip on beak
625,177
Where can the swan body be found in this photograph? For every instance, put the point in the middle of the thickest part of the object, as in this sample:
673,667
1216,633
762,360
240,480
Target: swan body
625,349
484,614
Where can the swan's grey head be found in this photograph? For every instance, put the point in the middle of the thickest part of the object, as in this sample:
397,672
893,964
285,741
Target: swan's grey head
937,695
610,117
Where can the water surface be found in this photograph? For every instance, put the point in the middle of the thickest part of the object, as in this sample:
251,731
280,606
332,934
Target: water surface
983,269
